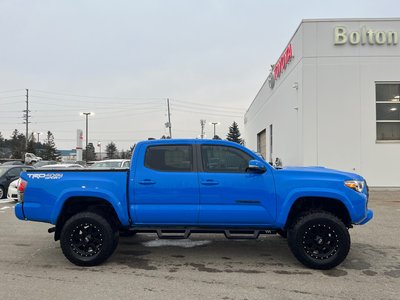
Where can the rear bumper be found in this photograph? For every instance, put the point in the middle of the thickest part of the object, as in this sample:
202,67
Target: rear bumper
19,211
370,215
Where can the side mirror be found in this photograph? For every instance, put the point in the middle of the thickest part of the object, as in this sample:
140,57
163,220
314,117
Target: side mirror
256,166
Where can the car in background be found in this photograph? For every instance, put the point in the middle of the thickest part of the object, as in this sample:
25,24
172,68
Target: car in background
13,163
31,158
8,174
111,164
44,163
61,166
12,193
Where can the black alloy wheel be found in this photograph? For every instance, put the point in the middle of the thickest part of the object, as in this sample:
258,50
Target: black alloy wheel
88,239
319,240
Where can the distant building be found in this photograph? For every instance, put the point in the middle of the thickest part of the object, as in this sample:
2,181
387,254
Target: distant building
67,155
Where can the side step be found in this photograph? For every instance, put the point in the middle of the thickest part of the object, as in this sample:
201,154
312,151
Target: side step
171,234
245,235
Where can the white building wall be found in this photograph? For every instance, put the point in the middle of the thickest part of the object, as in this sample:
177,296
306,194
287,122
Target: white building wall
330,120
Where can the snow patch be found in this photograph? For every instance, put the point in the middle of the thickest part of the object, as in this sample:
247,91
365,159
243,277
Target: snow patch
175,243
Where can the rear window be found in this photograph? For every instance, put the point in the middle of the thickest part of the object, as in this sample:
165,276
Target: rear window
169,158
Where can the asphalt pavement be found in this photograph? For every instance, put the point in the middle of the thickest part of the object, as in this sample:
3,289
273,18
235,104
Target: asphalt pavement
32,265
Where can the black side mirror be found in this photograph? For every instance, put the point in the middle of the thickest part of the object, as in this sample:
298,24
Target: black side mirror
256,166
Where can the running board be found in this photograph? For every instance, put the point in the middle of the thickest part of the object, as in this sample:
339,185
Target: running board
243,235
170,234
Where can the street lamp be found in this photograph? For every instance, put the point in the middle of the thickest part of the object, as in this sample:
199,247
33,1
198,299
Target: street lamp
214,124
99,145
87,114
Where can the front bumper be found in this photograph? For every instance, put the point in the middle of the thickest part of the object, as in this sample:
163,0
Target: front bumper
370,215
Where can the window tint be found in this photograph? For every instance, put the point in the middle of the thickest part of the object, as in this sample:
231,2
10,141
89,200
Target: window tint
223,159
169,158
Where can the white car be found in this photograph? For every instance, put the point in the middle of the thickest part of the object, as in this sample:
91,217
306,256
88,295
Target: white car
111,164
31,158
12,193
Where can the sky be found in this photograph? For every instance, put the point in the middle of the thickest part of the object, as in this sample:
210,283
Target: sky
123,59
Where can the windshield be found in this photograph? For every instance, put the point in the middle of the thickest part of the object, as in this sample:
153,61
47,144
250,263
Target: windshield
107,164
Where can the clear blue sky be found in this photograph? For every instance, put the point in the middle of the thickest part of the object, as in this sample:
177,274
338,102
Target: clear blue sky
124,58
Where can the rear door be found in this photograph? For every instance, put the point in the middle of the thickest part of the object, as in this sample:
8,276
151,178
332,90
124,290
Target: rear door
229,195
165,189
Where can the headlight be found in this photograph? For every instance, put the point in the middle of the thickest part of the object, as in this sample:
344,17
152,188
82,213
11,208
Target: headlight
357,185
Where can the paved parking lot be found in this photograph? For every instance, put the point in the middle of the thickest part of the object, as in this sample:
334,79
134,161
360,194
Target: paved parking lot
204,267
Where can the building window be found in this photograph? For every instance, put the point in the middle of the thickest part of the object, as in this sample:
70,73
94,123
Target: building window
388,111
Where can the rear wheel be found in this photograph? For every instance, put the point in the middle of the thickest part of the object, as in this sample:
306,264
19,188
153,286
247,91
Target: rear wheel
319,240
88,239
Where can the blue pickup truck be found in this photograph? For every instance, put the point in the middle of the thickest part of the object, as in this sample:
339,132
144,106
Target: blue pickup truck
178,187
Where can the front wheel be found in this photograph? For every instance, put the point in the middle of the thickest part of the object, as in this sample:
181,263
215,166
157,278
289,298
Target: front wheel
319,240
88,239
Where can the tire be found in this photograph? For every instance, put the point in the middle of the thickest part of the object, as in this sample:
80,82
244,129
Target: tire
88,239
2,192
319,240
282,233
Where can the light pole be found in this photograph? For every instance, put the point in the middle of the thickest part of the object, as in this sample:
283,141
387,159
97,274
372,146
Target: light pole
87,114
99,145
214,124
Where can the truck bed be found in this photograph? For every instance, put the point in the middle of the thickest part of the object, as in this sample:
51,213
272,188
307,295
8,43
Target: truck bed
48,190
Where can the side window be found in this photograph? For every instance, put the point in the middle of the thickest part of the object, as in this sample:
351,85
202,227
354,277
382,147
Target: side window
126,164
169,158
224,159
14,172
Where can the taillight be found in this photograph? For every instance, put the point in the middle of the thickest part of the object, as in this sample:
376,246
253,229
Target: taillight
22,186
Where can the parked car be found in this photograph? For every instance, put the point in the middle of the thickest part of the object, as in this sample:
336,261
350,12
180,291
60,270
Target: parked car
176,188
61,166
12,193
111,164
8,174
44,163
13,163
31,158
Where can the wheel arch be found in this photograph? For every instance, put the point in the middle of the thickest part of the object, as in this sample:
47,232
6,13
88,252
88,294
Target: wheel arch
308,203
76,204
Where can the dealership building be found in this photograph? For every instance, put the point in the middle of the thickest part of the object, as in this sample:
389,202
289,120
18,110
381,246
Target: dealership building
332,99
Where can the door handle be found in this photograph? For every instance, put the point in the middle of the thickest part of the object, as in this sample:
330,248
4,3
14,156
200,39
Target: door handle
209,182
147,182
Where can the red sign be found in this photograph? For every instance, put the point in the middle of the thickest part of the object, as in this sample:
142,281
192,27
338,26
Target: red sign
285,58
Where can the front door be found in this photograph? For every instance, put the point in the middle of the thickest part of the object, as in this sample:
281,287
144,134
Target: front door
166,188
229,195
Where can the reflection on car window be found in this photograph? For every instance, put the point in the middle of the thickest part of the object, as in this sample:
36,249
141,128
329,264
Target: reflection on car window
14,172
170,158
224,159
